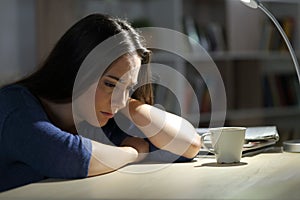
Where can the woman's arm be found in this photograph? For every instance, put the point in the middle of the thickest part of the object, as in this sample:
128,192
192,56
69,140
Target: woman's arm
165,130
106,158
139,144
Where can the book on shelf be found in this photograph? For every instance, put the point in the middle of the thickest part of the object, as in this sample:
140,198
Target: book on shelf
193,94
190,28
216,35
288,25
271,40
196,97
210,36
280,90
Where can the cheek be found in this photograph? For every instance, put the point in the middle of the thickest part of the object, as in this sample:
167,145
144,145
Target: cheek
102,99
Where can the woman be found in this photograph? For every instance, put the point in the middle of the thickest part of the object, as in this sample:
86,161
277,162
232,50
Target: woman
41,115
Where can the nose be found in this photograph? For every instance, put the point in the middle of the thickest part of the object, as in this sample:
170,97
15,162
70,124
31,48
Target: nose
119,99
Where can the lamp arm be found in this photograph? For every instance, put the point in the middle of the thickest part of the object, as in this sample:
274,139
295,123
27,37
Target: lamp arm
283,34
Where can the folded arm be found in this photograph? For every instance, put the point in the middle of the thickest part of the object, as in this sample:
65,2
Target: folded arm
165,130
107,158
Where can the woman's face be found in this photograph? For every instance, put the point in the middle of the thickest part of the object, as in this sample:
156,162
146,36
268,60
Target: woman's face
113,89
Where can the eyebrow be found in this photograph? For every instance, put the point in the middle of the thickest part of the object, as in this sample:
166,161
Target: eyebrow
118,79
113,77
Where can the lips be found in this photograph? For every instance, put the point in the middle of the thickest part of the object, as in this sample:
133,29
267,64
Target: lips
108,115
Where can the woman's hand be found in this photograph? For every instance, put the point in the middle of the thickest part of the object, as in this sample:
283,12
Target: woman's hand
139,144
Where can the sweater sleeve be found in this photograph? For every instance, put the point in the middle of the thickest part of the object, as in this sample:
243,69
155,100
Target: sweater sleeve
30,138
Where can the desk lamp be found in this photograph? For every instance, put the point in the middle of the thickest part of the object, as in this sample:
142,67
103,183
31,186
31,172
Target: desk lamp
291,145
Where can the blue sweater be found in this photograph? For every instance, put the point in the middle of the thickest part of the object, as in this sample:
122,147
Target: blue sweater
31,147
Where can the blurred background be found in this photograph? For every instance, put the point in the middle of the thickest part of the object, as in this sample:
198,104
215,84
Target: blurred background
260,80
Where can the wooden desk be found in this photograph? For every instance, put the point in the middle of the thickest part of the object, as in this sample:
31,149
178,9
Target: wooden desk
263,176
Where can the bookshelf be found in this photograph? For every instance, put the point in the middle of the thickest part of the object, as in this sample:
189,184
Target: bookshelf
240,40
259,76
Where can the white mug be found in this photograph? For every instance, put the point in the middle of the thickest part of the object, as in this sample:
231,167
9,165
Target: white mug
227,143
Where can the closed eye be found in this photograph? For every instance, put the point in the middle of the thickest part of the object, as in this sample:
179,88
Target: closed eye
109,84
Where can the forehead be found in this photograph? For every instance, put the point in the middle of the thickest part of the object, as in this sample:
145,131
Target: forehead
123,65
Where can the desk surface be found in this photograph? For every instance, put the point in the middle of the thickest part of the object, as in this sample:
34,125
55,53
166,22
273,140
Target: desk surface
263,176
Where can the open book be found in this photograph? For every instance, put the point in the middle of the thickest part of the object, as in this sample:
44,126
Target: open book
256,138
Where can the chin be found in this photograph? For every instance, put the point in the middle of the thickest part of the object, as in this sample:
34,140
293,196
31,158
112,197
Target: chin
103,122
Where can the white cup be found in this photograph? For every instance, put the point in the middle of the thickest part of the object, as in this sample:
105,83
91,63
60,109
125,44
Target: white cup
227,143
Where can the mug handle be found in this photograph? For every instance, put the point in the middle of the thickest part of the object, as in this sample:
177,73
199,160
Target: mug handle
211,150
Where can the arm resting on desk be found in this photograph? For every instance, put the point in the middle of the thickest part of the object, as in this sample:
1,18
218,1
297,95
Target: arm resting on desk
165,130
106,158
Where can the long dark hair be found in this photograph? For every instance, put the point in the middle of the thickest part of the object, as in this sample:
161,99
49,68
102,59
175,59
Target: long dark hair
54,80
